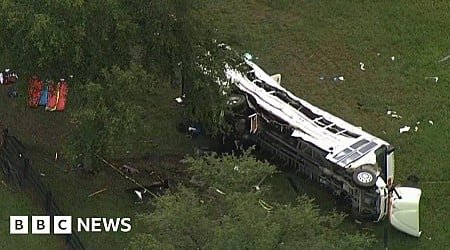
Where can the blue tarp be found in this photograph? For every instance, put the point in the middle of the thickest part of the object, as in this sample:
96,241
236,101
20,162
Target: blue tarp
44,96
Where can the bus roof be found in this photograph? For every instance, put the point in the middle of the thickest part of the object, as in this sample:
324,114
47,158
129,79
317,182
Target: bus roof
344,142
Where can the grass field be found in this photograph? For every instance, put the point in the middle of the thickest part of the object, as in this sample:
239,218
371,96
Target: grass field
302,40
18,203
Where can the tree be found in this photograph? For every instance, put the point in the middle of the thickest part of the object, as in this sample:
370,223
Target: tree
187,50
108,118
234,217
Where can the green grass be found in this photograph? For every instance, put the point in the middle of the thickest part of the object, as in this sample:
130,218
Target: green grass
44,133
18,203
304,40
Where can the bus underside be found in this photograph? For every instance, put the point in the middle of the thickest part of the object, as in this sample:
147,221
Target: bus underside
275,137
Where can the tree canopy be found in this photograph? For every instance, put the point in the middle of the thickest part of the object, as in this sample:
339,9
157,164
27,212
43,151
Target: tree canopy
109,46
227,214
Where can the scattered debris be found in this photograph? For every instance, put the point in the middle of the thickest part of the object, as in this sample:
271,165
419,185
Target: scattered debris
124,175
338,78
42,174
220,191
431,122
378,54
404,129
322,78
236,168
97,192
266,206
444,59
362,66
130,169
434,78
416,128
13,93
393,114
4,184
392,58
179,100
56,156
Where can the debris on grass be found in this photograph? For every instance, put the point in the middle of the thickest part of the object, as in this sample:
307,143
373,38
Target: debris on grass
266,206
444,59
220,191
97,192
404,129
42,174
392,58
338,78
178,100
362,66
393,114
4,184
431,122
130,169
434,78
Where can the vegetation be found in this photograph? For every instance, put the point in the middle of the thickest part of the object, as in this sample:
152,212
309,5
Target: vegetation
234,217
303,40
17,203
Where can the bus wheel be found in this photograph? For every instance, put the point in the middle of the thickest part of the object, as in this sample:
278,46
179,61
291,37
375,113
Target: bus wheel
364,178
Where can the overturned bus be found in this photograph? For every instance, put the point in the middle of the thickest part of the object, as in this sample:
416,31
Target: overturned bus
348,161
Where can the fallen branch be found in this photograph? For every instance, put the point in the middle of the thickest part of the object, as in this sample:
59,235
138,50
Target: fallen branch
124,175
97,192
444,59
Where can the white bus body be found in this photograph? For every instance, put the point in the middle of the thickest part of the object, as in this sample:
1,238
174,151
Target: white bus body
345,159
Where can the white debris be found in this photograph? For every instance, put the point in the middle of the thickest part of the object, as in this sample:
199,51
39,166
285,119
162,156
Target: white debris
56,156
404,129
378,54
444,59
179,100
139,194
392,58
362,66
338,78
434,78
236,168
431,122
418,122
416,128
393,114
220,191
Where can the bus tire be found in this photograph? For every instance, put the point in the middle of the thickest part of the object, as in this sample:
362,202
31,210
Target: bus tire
364,178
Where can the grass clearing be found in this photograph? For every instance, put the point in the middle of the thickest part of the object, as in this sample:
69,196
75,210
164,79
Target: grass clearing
19,203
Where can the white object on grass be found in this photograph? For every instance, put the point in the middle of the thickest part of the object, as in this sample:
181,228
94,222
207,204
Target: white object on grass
139,194
404,129
392,58
179,100
435,78
362,66
220,191
431,122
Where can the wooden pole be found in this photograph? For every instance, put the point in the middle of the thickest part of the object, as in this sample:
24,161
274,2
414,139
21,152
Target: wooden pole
124,175
97,192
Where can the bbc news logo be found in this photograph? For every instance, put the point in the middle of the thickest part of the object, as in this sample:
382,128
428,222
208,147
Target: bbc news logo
63,224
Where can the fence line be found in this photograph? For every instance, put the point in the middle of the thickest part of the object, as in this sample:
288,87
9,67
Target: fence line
18,171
